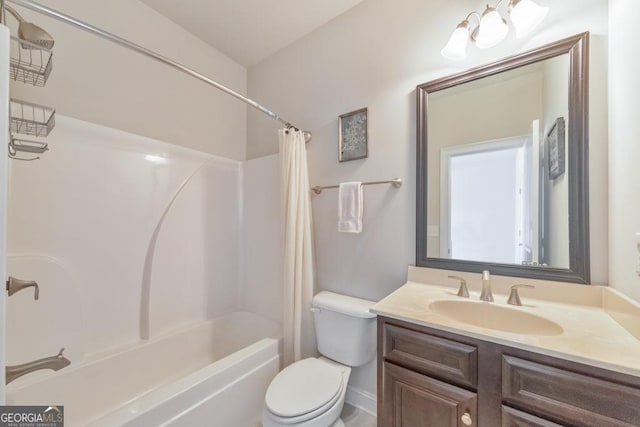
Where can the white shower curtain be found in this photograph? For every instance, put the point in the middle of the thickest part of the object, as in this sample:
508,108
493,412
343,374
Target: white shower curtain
298,247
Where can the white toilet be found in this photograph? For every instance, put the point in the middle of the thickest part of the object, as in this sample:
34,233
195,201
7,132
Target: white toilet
310,392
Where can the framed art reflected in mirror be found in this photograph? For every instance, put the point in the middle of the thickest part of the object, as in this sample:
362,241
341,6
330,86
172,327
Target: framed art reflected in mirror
555,139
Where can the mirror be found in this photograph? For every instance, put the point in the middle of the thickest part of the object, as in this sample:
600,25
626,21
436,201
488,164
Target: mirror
502,177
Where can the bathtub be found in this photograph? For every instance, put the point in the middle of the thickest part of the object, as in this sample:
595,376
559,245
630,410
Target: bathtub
215,374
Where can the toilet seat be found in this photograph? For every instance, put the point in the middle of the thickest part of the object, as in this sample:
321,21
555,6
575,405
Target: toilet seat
304,390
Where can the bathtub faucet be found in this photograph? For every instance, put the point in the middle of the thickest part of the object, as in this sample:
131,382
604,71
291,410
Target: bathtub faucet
56,363
15,285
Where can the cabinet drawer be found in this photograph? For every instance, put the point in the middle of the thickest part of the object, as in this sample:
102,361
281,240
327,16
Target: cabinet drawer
568,397
437,357
514,418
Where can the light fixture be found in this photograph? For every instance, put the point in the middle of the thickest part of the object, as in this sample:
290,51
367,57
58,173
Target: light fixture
526,15
492,27
456,47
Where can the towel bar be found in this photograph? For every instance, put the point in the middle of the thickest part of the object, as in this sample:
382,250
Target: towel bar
396,182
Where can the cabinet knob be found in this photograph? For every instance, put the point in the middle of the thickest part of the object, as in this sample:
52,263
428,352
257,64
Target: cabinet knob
466,419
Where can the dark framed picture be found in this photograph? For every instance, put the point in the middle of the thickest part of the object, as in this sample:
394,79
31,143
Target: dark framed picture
556,144
353,135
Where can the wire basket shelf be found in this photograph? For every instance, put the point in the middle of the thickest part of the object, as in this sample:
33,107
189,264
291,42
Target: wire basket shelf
18,148
29,63
31,119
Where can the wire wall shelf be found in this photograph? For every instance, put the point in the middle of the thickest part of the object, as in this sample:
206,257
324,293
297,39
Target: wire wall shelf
31,119
29,63
18,145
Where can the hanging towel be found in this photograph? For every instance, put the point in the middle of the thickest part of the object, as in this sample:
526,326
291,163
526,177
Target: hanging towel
350,207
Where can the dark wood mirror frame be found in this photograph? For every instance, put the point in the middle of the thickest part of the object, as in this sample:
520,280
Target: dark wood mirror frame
577,47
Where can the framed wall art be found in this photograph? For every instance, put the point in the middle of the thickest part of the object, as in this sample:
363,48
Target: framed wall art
353,135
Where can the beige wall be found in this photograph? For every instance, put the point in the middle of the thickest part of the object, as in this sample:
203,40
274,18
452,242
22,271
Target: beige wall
106,84
624,149
374,56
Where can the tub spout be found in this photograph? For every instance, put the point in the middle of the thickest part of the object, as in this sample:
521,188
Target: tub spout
15,285
56,363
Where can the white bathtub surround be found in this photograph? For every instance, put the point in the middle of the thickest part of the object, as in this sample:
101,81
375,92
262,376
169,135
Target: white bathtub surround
100,212
298,246
80,221
145,300
197,373
193,264
260,277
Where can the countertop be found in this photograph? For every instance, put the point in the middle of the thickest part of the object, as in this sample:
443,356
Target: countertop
590,334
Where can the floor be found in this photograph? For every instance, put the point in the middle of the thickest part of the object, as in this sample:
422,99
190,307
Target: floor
354,417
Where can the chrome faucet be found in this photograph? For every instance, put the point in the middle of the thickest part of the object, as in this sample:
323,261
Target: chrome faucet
16,285
54,362
514,298
486,294
463,291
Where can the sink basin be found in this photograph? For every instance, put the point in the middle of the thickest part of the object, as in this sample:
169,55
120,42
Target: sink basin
499,318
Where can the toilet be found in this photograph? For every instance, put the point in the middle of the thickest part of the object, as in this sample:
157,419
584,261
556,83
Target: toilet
311,392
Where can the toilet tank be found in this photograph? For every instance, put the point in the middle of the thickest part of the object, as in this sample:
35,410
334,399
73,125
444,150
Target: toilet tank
345,329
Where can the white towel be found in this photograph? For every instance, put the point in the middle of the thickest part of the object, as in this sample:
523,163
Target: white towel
350,207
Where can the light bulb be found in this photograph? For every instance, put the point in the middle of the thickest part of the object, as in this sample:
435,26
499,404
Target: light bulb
526,15
457,45
492,30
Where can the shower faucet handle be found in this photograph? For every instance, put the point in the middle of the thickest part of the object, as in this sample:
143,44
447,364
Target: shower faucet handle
463,291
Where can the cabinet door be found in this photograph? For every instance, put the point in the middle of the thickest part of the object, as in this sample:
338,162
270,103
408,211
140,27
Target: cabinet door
414,400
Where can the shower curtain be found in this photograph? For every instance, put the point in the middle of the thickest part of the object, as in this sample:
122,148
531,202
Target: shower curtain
298,247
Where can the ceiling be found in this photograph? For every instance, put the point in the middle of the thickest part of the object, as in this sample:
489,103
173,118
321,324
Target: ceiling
249,31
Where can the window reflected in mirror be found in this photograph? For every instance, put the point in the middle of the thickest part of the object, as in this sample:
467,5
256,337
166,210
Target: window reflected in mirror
492,198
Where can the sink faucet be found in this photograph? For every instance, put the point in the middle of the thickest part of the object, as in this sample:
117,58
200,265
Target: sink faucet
514,298
54,362
486,294
463,291
16,285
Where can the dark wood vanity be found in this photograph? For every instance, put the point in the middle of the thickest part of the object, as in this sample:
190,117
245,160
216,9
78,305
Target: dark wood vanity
431,378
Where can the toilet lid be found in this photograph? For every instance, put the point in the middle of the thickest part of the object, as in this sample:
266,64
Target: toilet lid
303,387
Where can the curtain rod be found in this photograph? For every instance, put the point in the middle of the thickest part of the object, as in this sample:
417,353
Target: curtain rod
44,10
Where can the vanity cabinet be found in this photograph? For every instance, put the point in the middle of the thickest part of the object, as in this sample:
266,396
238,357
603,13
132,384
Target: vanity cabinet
431,378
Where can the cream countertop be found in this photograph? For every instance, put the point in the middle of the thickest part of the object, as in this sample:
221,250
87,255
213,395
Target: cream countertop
590,335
